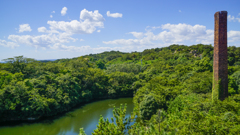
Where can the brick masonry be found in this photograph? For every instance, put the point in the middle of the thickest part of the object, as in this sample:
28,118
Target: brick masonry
220,63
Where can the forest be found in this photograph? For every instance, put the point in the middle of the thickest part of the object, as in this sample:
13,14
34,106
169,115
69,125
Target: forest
171,89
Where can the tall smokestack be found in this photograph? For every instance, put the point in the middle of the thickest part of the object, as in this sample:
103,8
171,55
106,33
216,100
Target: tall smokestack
220,63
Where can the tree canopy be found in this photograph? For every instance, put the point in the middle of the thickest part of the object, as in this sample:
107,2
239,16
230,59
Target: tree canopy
171,89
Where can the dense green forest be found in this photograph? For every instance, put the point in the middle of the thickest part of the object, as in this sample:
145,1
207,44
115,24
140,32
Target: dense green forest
171,89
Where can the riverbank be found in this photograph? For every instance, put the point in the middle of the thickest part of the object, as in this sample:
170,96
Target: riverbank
60,114
86,116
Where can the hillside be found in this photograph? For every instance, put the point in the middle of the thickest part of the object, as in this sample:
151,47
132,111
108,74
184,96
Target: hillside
171,87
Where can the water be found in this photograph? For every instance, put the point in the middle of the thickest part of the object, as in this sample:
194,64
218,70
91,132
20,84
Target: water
86,116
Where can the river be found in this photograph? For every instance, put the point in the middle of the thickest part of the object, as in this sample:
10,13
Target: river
86,116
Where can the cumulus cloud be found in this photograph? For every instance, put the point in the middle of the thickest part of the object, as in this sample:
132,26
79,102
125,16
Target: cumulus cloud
44,30
24,27
64,11
53,12
8,44
149,28
128,42
137,34
88,22
171,34
59,32
59,46
42,40
233,36
91,16
51,16
232,18
114,15
154,27
178,33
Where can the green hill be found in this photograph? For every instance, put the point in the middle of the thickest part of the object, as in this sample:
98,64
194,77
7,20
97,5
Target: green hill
171,88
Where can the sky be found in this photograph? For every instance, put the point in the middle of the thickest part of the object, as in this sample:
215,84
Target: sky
55,29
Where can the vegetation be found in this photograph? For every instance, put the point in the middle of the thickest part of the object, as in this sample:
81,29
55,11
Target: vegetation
172,89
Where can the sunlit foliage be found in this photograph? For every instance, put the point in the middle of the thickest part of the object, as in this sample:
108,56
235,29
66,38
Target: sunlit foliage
171,87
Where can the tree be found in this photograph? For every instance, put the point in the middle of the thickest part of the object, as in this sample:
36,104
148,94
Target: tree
18,63
148,107
105,127
100,64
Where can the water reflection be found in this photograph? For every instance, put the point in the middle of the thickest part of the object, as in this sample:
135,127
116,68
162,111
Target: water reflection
86,116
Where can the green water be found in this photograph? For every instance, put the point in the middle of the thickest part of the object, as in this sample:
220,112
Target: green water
86,116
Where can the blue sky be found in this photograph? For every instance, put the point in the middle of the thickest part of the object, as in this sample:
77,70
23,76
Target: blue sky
57,29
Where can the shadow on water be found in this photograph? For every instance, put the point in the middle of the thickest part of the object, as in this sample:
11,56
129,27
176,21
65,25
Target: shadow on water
46,119
86,116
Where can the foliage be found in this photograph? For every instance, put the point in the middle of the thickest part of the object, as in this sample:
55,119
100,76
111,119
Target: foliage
100,64
176,80
126,67
148,107
118,125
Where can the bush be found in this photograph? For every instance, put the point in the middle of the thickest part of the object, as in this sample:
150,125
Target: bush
148,107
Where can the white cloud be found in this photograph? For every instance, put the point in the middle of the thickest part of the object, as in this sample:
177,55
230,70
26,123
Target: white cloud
232,18
179,33
137,34
91,16
8,44
88,22
44,30
59,46
59,32
233,36
179,11
42,40
114,15
64,11
24,27
171,34
51,16
53,12
75,27
98,30
50,41
154,27
148,28
128,42
238,19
